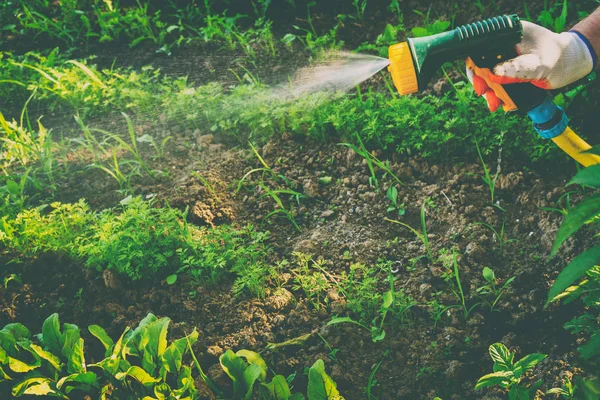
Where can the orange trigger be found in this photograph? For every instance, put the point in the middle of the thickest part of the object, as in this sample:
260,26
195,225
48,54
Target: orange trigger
484,73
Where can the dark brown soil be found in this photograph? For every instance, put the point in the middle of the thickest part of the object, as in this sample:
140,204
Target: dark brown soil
342,222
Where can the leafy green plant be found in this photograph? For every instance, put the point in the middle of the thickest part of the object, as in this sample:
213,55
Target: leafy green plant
141,363
421,235
508,373
311,278
139,241
373,306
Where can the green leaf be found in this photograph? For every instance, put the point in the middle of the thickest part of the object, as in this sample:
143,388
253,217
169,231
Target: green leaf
88,378
589,176
76,361
502,378
154,338
502,357
592,348
173,355
99,333
18,332
518,393
138,374
529,362
46,355
388,299
278,388
320,385
38,386
171,279
325,180
16,365
575,219
254,358
69,338
588,389
251,374
488,274
234,367
574,271
51,334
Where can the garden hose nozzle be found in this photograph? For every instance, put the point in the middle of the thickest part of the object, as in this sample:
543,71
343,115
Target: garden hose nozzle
413,63
485,44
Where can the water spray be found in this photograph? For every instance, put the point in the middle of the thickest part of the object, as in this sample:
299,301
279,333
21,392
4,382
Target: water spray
485,44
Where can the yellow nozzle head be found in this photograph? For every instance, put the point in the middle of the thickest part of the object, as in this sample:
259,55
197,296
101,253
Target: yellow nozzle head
402,68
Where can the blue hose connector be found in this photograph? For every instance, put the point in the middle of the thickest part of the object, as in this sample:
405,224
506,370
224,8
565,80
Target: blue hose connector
549,120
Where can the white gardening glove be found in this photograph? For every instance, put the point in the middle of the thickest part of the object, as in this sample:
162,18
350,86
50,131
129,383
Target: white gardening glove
546,59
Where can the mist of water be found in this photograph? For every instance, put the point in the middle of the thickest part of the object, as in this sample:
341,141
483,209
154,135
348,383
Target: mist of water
338,72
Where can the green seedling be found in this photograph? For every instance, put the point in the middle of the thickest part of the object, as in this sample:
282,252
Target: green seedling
554,17
500,236
429,28
372,381
16,278
508,374
422,235
281,209
312,279
392,195
372,162
566,391
563,210
491,293
360,7
332,351
487,178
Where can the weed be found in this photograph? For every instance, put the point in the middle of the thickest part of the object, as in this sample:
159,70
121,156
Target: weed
372,381
422,235
360,7
489,180
490,293
500,236
457,290
554,17
310,277
429,28
566,391
372,162
392,195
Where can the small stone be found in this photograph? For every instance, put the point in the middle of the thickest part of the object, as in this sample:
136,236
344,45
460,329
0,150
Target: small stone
215,350
327,213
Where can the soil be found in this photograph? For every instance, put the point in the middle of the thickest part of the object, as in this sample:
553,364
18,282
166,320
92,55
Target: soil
341,222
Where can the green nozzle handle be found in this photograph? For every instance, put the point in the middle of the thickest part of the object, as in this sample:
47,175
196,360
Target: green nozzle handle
494,34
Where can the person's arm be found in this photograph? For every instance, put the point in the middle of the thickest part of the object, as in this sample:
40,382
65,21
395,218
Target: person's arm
590,29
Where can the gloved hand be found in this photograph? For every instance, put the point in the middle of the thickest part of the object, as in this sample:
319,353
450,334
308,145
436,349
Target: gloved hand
546,59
